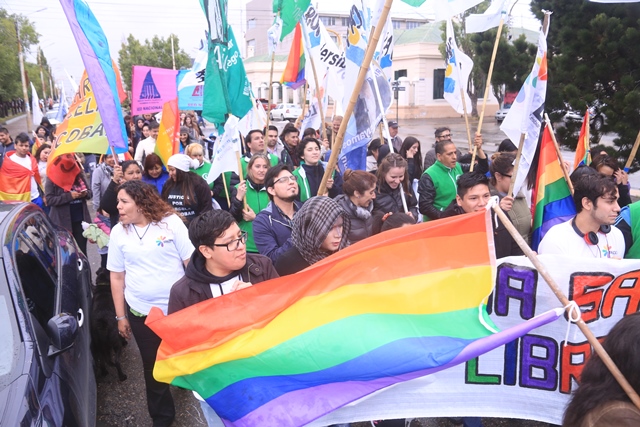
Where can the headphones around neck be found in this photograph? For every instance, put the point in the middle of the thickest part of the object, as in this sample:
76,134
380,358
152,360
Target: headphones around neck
591,238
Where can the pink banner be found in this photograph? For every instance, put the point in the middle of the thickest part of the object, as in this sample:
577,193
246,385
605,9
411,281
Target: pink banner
152,87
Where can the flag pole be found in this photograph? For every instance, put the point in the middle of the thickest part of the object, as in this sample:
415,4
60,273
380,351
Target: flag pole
602,353
466,121
371,47
565,172
304,103
632,155
516,165
226,190
315,78
244,199
173,53
270,97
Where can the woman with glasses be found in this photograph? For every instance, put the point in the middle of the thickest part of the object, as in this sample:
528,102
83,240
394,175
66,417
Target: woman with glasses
149,242
320,228
517,208
219,265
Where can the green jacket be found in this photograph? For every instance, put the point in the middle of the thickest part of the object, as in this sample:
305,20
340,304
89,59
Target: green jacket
634,250
244,161
203,171
257,200
445,181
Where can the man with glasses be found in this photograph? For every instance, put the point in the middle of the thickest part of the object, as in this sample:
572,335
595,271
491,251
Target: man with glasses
272,226
442,134
219,265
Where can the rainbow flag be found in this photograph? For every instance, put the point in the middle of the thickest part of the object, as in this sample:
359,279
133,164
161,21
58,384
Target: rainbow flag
552,200
396,306
168,142
15,179
583,155
94,50
293,74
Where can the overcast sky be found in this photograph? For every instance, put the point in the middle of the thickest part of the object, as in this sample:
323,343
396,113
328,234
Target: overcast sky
146,18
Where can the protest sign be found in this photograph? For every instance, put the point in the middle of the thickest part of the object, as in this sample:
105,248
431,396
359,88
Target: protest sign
151,88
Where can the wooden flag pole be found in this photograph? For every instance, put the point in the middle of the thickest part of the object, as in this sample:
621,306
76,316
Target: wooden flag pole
273,59
244,199
565,172
517,163
304,104
632,155
315,78
602,353
371,48
226,190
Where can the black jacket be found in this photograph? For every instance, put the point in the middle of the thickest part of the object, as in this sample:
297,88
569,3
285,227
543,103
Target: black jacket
388,200
361,223
195,285
291,262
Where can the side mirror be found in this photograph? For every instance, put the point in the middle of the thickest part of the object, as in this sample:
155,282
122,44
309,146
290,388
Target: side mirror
62,330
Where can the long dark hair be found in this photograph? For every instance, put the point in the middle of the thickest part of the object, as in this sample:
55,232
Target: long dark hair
597,384
186,182
406,145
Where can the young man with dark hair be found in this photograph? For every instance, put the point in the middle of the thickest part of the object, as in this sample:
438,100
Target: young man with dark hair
442,134
437,187
274,146
272,226
20,178
6,143
589,234
290,136
254,143
473,195
147,145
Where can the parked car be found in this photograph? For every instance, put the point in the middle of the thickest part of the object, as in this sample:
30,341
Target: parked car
597,118
502,113
51,115
266,105
286,112
46,367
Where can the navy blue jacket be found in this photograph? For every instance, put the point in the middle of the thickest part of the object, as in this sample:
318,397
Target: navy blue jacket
272,231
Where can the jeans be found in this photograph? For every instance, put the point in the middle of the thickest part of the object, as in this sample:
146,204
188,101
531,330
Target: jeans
159,399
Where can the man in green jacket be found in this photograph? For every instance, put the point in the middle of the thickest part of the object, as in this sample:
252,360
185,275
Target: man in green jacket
438,184
254,142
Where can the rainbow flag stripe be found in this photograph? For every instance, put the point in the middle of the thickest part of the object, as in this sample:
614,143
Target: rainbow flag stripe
583,155
293,74
391,308
552,200
168,142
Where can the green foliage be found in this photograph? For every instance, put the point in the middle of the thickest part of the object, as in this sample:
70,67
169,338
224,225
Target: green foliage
10,82
594,55
513,63
154,53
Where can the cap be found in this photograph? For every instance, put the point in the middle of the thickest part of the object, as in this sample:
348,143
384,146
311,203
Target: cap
393,124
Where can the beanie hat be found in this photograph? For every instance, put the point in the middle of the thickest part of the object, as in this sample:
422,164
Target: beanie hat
182,162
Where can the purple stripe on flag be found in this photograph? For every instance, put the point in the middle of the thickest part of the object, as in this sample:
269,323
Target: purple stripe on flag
94,50
303,406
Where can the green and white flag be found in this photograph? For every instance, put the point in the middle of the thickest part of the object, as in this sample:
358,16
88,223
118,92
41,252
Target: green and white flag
226,87
290,11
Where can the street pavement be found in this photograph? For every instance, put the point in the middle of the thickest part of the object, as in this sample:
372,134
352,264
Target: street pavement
123,404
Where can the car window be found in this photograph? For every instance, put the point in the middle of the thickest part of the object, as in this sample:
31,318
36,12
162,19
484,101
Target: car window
36,265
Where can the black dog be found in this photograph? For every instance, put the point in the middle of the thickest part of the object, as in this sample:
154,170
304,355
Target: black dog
105,338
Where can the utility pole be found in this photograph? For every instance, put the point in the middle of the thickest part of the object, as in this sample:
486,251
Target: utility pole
25,95
44,94
173,54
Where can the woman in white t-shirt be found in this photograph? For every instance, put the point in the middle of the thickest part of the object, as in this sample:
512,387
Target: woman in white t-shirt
148,250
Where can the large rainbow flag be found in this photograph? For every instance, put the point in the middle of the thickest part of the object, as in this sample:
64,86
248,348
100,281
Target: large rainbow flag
583,155
552,200
394,307
293,74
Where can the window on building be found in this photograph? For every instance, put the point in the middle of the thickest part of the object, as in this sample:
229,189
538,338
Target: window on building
399,73
328,20
251,23
396,24
345,22
411,25
438,83
251,48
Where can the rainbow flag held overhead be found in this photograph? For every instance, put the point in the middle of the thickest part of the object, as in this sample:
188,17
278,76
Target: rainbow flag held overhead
394,307
552,200
583,155
293,74
168,142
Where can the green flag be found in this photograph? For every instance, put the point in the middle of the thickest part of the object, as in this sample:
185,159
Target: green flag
290,12
226,87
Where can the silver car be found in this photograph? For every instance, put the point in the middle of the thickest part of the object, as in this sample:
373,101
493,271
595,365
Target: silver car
285,112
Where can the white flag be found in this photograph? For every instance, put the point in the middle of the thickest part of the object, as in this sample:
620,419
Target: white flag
445,9
456,76
223,158
35,107
256,118
525,114
74,85
477,23
273,35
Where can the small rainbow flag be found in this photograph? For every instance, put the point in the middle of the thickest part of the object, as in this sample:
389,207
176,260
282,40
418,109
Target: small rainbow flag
583,155
168,142
552,200
293,74
396,306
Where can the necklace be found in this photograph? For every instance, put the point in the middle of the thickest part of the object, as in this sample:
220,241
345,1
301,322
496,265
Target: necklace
143,234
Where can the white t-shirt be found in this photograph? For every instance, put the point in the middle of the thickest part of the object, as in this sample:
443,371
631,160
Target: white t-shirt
144,148
562,239
26,162
151,264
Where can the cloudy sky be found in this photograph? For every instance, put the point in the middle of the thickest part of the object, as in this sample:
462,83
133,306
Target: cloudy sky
146,18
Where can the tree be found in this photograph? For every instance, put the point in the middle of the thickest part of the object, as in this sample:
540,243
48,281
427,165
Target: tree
154,53
10,81
593,56
513,59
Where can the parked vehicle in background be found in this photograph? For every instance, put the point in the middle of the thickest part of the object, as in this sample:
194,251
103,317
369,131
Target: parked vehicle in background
51,115
46,367
502,113
597,118
286,112
265,103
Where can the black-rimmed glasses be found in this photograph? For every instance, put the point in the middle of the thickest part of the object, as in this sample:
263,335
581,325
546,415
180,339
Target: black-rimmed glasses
234,244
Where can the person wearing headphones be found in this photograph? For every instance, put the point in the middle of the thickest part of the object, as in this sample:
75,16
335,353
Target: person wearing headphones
589,234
